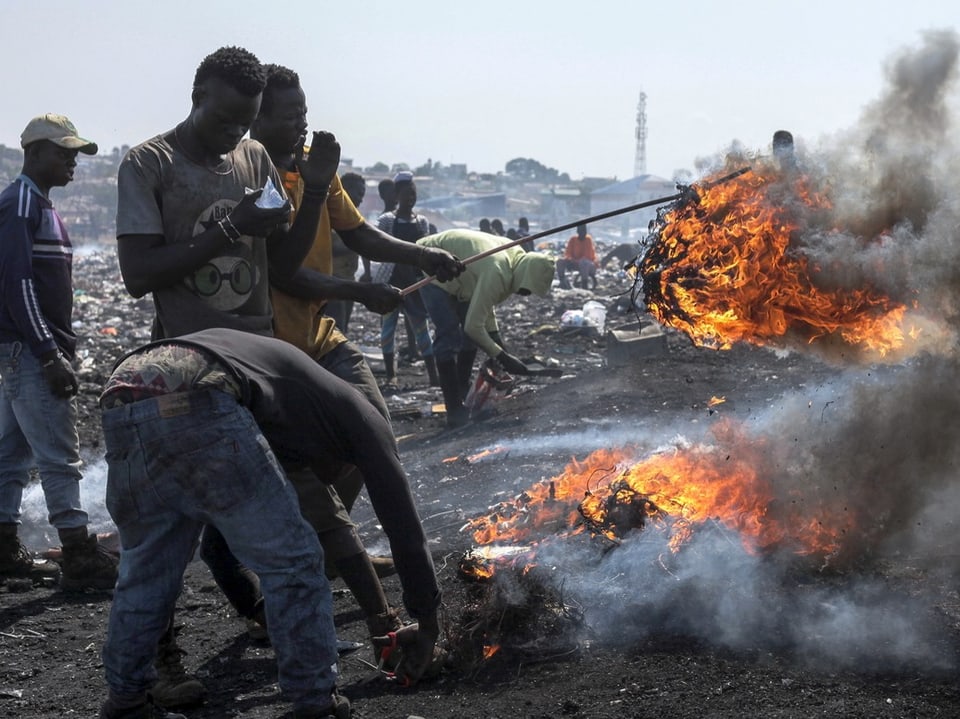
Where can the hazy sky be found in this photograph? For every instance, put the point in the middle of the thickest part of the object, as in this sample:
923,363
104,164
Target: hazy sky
477,83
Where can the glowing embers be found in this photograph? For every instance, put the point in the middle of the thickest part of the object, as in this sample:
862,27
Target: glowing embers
726,264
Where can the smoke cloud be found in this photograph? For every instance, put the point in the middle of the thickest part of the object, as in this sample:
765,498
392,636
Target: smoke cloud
877,443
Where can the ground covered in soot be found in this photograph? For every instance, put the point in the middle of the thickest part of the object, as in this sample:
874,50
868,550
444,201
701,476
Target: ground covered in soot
593,629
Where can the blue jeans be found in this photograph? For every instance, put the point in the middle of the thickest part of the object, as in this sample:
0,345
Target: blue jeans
174,464
412,305
38,430
447,314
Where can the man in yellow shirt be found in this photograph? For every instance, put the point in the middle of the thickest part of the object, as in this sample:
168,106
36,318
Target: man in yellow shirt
298,305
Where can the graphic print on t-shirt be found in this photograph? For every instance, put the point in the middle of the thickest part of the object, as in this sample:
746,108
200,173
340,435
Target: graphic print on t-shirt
225,282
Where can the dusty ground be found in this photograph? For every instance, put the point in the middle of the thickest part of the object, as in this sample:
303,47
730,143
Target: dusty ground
616,651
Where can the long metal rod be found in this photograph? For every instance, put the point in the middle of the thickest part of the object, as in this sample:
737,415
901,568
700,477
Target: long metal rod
570,225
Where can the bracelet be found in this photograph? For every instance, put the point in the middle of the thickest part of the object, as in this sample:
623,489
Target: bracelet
229,229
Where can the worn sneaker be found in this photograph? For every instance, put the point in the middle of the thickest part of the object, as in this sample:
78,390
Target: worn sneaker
87,565
174,687
148,710
338,709
16,562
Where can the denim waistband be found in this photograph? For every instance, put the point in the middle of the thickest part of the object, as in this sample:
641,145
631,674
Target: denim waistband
167,406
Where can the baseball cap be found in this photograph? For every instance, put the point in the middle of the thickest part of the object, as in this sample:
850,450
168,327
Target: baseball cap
59,130
403,176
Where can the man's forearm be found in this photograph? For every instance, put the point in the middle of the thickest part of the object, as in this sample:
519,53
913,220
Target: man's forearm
288,251
307,284
148,264
377,245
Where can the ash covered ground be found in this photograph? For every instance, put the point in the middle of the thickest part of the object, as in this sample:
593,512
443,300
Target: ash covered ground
595,630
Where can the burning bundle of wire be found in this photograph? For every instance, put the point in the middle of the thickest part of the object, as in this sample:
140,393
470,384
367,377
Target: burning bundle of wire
725,263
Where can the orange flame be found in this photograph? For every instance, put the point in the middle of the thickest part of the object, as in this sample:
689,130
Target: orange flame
676,492
727,269
490,650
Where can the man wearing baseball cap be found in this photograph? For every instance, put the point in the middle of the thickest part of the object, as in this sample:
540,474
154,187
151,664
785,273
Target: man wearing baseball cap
38,409
58,130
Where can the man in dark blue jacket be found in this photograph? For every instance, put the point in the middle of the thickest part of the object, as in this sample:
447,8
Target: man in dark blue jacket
38,410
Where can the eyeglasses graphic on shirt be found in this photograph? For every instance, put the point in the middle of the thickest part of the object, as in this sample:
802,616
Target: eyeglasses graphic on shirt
209,279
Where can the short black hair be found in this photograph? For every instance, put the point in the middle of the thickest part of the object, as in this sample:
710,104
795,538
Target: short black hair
347,177
278,78
237,67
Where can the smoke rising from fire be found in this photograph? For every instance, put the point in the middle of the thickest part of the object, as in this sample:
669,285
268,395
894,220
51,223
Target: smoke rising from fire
37,533
896,180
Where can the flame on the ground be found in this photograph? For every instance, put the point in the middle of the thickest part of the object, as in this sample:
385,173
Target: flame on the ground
610,493
724,267
490,650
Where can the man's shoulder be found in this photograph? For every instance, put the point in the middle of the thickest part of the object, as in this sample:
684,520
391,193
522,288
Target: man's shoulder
23,196
157,143
155,153
12,190
250,148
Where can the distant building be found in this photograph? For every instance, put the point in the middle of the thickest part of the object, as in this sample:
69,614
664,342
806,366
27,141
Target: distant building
464,206
629,192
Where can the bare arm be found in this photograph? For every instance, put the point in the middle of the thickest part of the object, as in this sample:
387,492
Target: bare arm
375,244
287,250
149,263
309,284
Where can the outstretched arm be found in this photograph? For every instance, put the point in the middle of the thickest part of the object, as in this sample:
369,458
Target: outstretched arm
376,244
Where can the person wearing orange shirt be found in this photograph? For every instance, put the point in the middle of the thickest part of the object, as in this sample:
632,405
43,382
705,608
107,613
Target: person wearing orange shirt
581,256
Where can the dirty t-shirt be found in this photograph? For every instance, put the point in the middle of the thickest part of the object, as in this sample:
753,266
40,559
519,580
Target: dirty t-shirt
162,192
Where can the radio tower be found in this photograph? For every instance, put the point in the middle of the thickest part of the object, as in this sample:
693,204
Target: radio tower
640,159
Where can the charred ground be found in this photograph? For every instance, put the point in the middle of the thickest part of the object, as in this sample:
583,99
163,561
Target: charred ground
655,664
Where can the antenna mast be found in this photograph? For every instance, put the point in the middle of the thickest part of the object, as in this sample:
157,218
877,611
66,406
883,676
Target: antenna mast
640,159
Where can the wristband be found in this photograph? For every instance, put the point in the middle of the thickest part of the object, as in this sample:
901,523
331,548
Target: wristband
315,193
229,229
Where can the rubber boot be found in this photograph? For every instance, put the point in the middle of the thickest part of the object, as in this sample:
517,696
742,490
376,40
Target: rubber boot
431,364
457,414
465,359
390,383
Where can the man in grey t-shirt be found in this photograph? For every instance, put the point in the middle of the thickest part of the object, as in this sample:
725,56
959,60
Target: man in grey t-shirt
189,229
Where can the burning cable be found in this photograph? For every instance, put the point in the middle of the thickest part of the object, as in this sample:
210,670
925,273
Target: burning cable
723,263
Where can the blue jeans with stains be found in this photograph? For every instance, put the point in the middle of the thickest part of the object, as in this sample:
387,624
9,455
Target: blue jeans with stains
37,429
176,463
